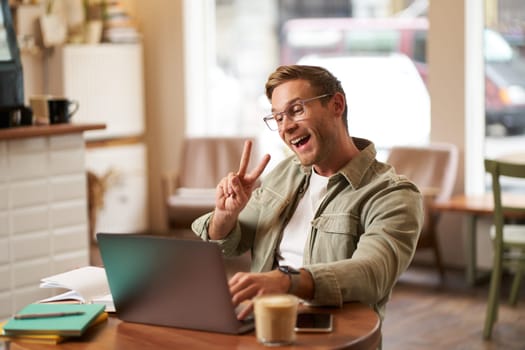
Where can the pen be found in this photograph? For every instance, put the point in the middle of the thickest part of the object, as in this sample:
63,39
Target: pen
50,314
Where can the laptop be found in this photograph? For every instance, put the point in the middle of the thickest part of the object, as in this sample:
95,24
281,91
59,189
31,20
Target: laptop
171,282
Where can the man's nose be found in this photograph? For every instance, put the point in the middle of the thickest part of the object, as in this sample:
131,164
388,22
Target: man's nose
287,122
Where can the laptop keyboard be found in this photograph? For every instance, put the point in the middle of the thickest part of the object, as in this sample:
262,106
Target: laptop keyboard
247,319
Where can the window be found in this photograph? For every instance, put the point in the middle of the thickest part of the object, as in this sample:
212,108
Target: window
420,46
377,41
504,51
250,38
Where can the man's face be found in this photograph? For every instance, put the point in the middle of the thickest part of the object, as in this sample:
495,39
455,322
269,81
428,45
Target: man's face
311,137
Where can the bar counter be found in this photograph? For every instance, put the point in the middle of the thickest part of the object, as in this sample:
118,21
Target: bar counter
43,208
21,132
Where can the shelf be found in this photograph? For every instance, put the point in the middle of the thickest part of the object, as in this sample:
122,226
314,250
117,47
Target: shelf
22,132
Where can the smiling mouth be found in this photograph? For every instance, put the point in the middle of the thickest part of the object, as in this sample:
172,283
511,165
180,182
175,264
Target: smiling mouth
298,142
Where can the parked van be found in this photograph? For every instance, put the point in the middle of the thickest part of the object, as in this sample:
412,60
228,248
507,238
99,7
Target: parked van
387,99
505,69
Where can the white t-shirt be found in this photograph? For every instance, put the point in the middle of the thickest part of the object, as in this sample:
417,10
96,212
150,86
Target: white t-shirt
298,228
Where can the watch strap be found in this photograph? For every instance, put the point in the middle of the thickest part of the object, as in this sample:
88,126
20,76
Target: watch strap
294,275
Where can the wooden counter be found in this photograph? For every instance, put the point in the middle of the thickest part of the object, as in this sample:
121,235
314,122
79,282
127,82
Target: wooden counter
21,132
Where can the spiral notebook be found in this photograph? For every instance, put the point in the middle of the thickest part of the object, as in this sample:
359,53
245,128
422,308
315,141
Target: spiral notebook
169,282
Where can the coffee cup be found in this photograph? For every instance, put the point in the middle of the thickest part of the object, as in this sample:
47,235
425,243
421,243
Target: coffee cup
18,115
275,317
53,110
61,110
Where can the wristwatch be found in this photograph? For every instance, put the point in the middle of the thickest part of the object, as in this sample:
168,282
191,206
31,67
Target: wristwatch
294,276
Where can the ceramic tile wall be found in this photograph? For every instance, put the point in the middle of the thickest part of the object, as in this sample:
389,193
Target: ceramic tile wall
43,215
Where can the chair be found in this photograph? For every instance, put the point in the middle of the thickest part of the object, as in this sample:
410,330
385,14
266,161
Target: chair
433,168
508,240
190,191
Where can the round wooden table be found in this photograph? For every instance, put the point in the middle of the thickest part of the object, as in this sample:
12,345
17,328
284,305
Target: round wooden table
356,326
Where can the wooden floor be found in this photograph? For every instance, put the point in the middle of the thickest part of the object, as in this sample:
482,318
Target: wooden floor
424,314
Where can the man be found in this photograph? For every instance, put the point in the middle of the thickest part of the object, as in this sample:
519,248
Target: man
329,224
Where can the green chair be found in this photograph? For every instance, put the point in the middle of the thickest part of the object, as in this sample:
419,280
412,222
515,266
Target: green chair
508,240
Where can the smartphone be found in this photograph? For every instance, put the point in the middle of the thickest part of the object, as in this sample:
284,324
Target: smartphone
314,322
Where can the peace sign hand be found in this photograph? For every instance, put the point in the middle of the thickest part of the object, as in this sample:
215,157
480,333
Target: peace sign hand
233,193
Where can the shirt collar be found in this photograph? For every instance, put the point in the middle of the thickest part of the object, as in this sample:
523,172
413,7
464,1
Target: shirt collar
355,169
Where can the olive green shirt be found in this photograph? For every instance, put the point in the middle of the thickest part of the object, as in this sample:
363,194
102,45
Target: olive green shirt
363,235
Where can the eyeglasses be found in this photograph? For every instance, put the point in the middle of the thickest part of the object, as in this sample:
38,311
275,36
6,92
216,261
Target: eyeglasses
293,112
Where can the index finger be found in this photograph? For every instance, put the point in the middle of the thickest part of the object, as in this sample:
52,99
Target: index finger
245,158
254,175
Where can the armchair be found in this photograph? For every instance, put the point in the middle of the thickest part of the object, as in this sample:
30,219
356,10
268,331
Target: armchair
190,191
433,168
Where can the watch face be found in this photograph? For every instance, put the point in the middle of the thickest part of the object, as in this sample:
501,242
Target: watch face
288,270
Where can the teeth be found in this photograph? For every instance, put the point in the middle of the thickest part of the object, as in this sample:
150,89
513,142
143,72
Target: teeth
297,140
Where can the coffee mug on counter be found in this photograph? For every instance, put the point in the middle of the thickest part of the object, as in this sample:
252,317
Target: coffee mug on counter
18,115
61,110
53,110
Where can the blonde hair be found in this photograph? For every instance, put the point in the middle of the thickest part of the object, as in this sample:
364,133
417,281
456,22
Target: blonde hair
320,79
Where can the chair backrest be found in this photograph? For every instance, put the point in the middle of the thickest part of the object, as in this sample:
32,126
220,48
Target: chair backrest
206,160
432,166
498,168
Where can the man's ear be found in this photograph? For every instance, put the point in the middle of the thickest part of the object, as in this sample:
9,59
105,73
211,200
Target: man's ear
339,103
